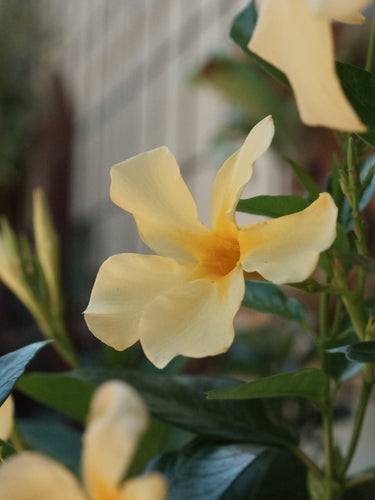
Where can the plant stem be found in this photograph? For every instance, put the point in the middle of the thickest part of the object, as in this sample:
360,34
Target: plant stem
360,414
370,49
328,441
310,464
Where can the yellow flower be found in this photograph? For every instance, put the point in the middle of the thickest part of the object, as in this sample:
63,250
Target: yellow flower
6,418
116,420
183,300
296,37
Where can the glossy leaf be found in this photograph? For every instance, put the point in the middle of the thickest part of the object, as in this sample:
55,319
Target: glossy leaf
13,364
232,472
178,400
268,298
59,391
359,87
54,439
309,384
273,206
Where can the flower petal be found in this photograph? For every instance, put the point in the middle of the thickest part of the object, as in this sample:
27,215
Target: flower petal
233,176
148,487
30,476
286,250
346,11
195,319
125,284
6,418
117,418
289,35
150,187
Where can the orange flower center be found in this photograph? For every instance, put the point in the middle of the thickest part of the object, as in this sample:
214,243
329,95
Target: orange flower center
217,256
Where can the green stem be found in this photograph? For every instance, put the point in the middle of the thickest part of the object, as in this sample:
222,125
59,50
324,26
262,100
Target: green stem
310,464
370,49
328,441
360,414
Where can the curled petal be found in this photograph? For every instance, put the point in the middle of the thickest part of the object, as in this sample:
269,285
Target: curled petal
117,418
292,37
150,187
124,286
346,11
195,319
6,418
286,250
31,476
233,176
149,487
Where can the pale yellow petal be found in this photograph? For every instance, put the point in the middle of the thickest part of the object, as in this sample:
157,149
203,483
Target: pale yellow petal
195,319
32,476
125,284
345,11
151,486
150,187
233,176
6,418
117,418
289,35
286,250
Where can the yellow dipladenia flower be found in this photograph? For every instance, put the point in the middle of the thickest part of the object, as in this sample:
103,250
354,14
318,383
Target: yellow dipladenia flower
296,37
6,418
116,420
183,300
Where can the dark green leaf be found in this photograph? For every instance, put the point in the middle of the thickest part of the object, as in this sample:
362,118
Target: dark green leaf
54,439
232,472
241,32
367,263
62,392
335,362
363,352
13,364
6,450
305,179
309,384
273,206
178,400
359,87
268,298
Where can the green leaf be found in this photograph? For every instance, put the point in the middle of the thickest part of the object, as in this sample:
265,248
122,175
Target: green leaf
305,179
362,352
335,363
273,206
231,472
308,383
54,439
13,364
61,392
359,87
6,450
241,32
268,298
178,400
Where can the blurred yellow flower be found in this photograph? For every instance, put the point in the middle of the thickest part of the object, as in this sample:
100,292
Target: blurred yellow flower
183,300
116,420
6,418
296,37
